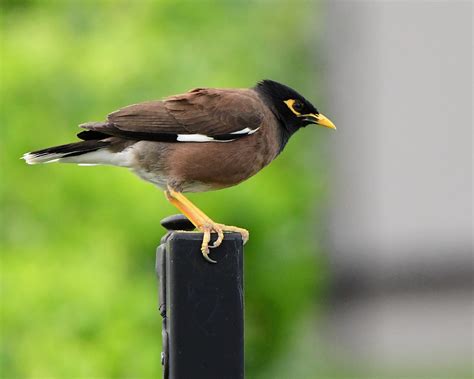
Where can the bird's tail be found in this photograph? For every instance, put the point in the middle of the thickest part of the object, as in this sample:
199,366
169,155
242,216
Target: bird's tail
72,152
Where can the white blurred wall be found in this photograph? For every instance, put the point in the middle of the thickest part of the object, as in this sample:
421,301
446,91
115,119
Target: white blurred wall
400,85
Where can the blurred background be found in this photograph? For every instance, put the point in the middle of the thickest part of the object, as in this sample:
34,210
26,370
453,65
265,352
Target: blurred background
360,258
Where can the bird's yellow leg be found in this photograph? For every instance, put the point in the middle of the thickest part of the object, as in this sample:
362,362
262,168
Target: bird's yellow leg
202,222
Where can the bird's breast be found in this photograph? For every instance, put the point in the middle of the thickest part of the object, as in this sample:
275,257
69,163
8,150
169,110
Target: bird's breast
205,166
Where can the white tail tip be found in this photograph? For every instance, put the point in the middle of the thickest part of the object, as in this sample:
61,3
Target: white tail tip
35,159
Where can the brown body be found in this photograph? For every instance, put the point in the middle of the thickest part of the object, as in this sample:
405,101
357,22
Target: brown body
193,166
202,166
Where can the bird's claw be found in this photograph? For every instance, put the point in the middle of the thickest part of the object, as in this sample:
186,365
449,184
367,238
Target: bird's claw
205,243
220,237
205,254
219,229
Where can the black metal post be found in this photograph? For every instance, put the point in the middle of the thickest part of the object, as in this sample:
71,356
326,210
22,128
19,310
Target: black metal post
201,303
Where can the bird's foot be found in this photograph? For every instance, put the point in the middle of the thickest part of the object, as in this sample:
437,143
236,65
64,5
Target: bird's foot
202,222
212,227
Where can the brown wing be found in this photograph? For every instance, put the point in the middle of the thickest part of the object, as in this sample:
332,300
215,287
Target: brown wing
208,112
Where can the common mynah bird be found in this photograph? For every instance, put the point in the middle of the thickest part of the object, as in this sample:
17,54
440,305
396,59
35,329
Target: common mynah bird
202,140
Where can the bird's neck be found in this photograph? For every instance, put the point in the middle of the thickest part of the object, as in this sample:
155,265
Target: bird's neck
285,135
285,126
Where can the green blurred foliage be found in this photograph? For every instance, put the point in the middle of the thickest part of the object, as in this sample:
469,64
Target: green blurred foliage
77,243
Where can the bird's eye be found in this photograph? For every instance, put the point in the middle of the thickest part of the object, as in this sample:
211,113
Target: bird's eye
298,106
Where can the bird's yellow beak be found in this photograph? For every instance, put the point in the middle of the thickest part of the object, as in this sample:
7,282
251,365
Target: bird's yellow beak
322,120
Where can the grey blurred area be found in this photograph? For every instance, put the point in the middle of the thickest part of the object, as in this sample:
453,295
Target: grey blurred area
400,92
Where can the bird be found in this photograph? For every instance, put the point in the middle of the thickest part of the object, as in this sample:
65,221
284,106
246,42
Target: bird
201,140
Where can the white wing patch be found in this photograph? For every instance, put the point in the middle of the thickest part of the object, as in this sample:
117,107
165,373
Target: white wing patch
246,131
193,138
204,138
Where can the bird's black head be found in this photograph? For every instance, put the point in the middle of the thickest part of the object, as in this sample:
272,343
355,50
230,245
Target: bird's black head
291,109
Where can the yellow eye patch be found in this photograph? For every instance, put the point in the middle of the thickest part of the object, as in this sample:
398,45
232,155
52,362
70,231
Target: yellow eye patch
290,104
